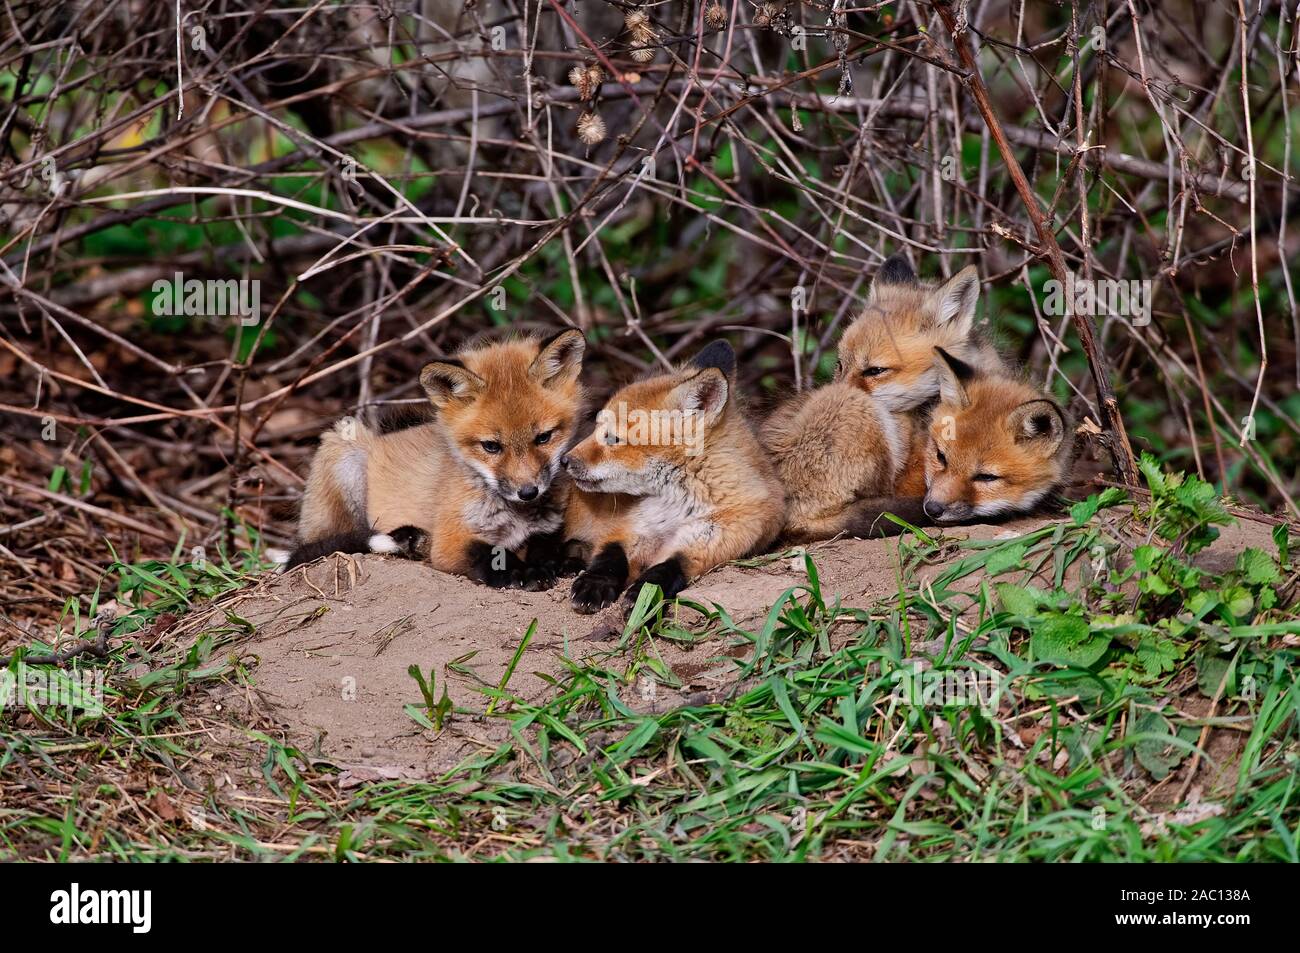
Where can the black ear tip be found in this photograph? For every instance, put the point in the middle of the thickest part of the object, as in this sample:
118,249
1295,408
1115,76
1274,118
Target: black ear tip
573,335
896,271
717,354
440,367
960,368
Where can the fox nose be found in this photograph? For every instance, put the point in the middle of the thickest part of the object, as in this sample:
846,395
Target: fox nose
933,508
528,492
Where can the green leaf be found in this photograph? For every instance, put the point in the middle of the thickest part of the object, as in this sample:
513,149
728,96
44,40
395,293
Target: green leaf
1209,675
1151,471
1067,640
1239,601
1153,584
1145,557
1157,655
1258,567
1018,600
1283,543
1004,558
1155,753
1080,513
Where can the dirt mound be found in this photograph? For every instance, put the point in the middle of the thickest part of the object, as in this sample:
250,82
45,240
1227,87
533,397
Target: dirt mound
333,643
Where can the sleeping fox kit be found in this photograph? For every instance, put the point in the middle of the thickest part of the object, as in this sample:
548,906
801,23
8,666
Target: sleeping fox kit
852,439
473,488
997,446
671,483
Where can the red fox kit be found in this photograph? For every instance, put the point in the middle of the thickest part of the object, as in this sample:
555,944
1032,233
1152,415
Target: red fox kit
852,438
470,488
997,446
992,447
671,483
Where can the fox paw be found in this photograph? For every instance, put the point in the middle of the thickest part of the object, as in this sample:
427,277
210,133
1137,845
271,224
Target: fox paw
592,592
409,542
569,566
538,577
512,578
545,573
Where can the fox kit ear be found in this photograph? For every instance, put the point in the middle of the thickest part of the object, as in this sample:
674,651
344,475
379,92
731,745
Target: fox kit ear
446,381
954,375
705,393
560,360
717,354
1038,420
955,300
895,271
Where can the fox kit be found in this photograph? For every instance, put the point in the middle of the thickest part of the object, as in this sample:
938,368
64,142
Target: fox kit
997,446
472,487
671,483
853,438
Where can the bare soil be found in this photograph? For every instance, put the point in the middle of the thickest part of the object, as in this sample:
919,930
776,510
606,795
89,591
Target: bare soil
333,642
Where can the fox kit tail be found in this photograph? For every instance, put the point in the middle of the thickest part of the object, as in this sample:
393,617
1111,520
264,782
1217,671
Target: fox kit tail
409,541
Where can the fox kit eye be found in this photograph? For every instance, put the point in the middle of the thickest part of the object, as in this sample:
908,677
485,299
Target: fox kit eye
490,446
874,371
543,438
611,439
938,454
985,477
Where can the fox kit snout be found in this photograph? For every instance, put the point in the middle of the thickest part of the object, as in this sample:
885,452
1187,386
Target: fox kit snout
670,483
473,487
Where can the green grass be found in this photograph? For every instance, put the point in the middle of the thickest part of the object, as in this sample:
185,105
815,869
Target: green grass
1112,659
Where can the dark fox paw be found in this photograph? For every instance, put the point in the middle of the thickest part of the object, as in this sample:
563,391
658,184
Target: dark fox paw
667,575
411,542
545,573
569,566
511,578
592,592
538,577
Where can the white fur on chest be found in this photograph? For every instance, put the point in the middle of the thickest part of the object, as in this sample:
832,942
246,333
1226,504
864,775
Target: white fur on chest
501,525
668,523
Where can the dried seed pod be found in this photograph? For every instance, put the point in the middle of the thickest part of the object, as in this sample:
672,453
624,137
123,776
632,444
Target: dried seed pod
642,54
767,14
715,15
638,24
591,128
587,79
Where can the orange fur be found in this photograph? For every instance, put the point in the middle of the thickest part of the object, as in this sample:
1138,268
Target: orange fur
505,413
854,438
701,497
996,445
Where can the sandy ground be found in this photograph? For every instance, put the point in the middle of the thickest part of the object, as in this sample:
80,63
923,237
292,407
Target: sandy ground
333,642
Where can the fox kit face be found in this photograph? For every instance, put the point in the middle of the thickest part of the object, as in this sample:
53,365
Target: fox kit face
509,409
648,430
996,445
889,350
